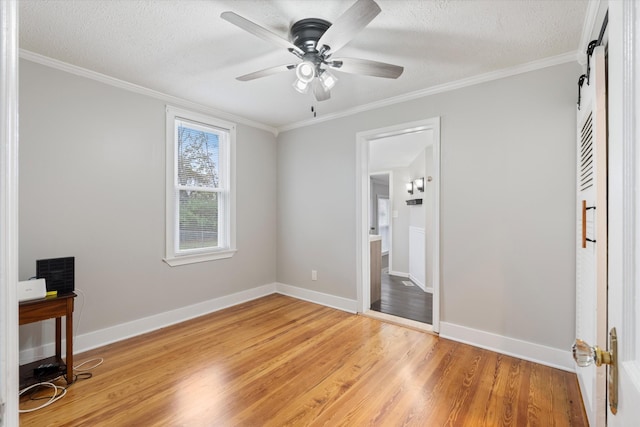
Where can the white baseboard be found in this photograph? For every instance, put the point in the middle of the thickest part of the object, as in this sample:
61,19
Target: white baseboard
532,352
91,340
123,331
417,282
399,274
332,301
513,347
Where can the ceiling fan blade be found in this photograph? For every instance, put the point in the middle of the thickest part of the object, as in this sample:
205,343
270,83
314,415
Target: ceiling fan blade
259,31
349,24
320,92
266,72
367,67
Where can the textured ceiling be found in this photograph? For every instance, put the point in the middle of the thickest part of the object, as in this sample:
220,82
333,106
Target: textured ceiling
184,49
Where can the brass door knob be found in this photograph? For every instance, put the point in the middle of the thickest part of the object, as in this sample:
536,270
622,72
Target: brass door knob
585,355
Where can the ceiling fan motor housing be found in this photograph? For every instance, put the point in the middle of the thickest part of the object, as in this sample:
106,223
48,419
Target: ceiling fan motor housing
306,33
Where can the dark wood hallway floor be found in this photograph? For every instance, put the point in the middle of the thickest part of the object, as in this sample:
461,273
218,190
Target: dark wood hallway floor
409,302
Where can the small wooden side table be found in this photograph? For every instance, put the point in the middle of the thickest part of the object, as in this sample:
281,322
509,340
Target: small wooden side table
43,309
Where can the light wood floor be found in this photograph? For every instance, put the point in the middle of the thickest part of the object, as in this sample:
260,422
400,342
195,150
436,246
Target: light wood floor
278,361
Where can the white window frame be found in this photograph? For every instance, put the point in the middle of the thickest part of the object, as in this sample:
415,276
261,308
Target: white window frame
227,154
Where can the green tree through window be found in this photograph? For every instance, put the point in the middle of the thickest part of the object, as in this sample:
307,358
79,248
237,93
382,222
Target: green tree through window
200,204
198,174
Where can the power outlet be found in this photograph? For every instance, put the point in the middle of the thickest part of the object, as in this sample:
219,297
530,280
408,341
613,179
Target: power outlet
314,275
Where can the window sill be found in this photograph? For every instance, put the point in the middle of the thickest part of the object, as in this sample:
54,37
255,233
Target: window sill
192,259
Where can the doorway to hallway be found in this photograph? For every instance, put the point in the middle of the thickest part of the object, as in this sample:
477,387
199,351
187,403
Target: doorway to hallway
400,297
409,279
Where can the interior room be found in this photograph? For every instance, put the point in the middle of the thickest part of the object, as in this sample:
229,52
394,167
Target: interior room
212,169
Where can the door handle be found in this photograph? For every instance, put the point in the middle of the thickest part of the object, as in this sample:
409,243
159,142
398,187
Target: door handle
584,227
585,355
584,224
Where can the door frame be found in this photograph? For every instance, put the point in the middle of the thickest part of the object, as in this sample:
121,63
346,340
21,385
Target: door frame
9,213
624,205
362,208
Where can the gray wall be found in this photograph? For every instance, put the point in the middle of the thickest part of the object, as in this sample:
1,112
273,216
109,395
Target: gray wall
507,203
92,177
92,186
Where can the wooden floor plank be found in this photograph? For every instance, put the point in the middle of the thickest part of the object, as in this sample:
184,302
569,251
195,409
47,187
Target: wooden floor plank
278,361
370,400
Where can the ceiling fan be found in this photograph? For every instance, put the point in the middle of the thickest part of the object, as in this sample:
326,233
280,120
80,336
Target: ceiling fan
314,41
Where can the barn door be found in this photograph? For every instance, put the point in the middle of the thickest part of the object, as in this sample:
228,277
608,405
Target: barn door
591,247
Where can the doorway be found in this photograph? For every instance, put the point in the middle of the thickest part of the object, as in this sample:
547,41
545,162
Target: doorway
396,158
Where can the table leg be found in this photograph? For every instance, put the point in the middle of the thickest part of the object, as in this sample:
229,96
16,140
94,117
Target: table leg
69,337
59,337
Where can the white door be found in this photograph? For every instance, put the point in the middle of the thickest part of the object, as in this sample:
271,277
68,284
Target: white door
624,205
622,408
591,245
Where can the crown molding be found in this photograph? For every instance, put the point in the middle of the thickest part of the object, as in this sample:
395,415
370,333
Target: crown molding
446,87
121,84
470,81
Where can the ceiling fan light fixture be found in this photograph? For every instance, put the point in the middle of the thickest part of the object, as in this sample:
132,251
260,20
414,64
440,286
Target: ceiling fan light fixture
301,86
327,79
314,41
306,71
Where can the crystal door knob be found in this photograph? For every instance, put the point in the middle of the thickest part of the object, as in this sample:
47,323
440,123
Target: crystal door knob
583,353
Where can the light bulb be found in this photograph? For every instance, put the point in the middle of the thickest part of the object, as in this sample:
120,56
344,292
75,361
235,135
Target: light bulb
306,71
328,80
301,86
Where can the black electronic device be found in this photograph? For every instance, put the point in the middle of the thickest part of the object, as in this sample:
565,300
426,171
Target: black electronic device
47,370
59,273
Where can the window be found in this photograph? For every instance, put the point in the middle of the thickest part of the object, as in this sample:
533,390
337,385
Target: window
200,202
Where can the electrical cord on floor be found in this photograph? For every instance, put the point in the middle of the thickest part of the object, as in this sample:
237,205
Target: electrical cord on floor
82,374
79,368
54,398
59,391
